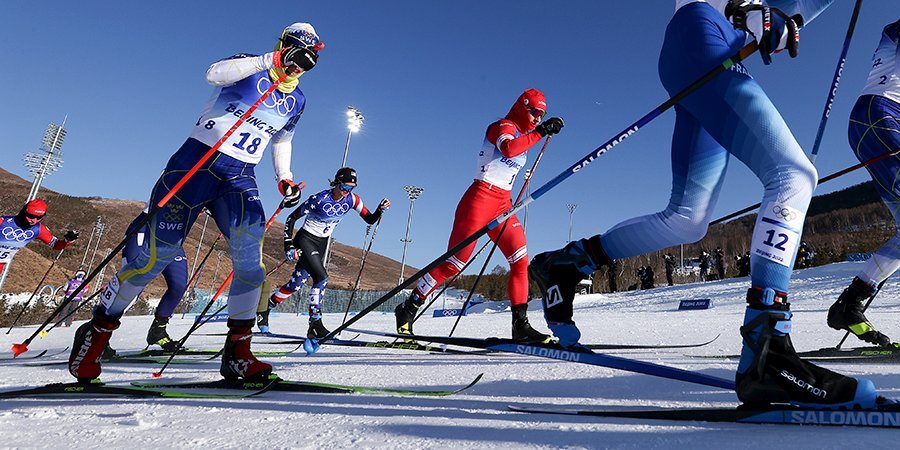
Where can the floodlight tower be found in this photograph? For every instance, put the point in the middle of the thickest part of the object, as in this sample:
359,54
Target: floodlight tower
414,192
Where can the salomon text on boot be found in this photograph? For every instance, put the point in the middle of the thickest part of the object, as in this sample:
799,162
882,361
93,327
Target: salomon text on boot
237,359
847,313
91,339
557,274
771,372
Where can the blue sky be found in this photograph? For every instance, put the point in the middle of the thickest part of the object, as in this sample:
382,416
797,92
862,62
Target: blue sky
429,76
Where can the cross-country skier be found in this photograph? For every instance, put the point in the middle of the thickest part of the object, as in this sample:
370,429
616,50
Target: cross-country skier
225,185
175,274
323,212
728,115
71,286
17,231
875,130
503,153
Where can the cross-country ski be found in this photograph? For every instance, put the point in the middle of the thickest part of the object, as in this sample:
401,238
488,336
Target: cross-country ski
482,225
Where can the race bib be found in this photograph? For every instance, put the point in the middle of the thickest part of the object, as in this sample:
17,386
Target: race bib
777,234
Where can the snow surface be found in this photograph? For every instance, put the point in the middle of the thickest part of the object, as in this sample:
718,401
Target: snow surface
476,418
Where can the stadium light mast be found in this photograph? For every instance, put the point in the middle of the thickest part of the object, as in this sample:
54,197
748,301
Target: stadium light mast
355,120
40,164
413,192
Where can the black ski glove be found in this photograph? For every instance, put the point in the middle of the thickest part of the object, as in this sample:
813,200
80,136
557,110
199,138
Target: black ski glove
71,235
550,126
774,24
302,57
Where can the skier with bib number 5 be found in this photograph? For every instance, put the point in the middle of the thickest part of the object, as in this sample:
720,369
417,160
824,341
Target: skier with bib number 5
729,115
226,186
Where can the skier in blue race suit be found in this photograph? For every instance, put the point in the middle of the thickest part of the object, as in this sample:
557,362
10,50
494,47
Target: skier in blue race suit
176,275
226,186
874,131
729,115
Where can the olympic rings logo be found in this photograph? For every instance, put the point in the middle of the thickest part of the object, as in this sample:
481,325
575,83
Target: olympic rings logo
283,105
785,213
19,235
335,209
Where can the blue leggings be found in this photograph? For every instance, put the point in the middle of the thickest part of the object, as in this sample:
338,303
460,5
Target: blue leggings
175,274
729,115
875,130
227,188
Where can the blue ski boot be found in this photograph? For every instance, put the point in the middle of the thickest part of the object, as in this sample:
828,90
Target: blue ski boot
262,321
771,372
557,273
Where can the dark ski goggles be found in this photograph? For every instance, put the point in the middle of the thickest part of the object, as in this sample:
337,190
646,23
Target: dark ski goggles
347,187
539,113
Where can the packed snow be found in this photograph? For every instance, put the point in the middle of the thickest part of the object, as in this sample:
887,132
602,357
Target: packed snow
476,418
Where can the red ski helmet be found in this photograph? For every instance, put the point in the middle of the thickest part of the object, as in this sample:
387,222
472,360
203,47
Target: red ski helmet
35,208
530,99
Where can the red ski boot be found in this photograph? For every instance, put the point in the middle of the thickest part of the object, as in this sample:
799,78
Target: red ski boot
237,360
91,339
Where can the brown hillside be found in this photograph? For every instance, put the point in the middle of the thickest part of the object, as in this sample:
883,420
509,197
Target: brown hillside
79,213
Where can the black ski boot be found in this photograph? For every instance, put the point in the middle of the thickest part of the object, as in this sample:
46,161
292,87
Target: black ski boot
157,335
771,372
557,273
262,321
847,314
316,329
405,313
237,359
522,330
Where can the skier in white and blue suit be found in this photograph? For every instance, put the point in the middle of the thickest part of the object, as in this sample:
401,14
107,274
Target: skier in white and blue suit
226,186
729,115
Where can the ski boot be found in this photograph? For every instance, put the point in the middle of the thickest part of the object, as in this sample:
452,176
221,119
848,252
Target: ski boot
91,340
316,328
262,321
557,274
109,353
405,313
522,330
237,359
847,314
771,372
157,335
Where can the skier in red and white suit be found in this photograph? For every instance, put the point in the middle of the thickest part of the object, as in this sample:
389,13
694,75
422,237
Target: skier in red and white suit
17,231
502,155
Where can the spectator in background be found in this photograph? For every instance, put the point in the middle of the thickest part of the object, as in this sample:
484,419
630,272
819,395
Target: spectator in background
669,260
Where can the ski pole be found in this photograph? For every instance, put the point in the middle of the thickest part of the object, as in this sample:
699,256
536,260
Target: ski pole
832,92
502,230
826,179
449,283
212,300
36,289
312,345
871,297
23,347
195,277
362,266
